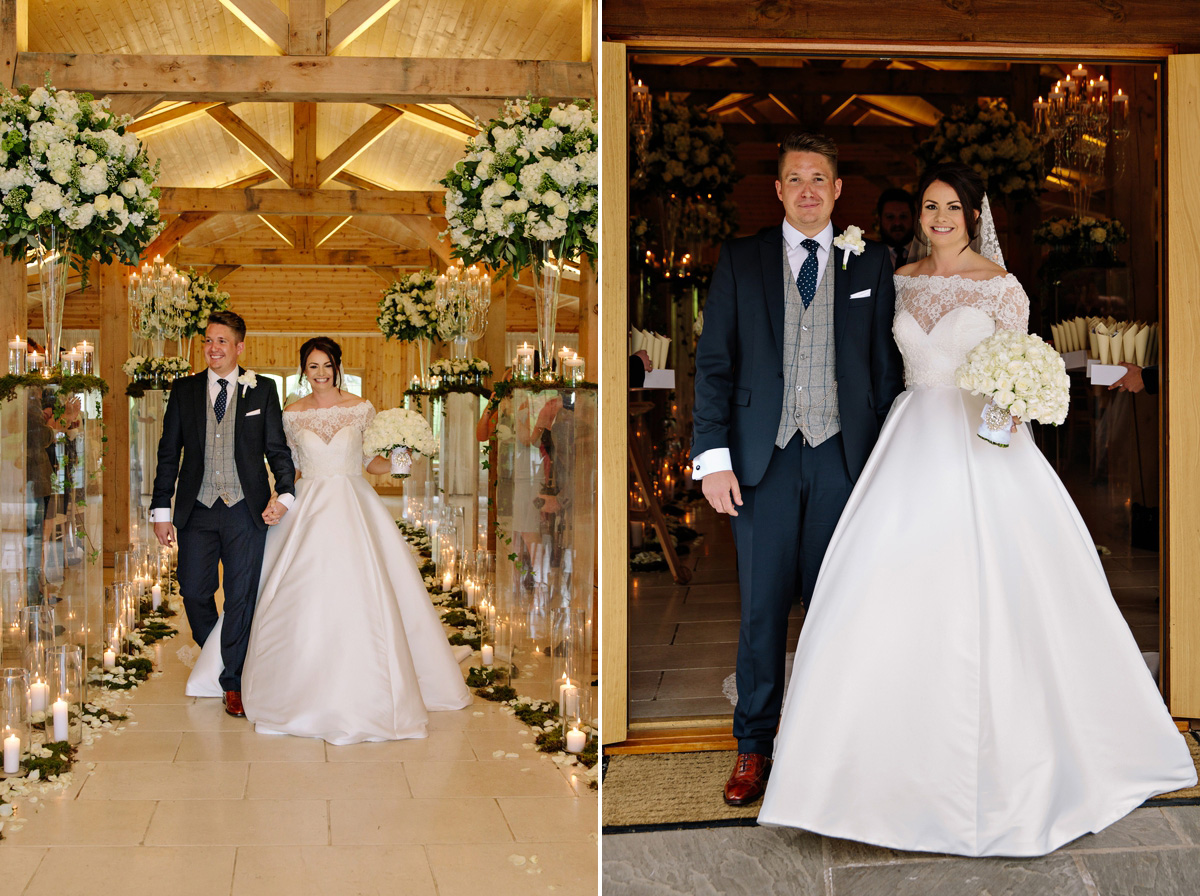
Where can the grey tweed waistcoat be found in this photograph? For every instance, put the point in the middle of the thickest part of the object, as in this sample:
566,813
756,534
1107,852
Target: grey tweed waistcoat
220,468
810,404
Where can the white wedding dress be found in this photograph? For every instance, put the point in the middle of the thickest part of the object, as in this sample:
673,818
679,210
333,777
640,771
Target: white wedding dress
964,682
345,645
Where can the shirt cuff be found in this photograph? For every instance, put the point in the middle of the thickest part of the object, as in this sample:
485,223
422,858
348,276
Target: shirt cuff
160,514
714,460
286,499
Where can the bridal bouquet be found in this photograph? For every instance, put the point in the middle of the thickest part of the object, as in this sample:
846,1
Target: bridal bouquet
530,177
398,432
407,311
67,165
1024,377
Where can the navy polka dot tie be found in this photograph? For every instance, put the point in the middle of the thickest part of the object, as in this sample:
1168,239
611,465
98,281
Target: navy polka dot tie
806,282
222,400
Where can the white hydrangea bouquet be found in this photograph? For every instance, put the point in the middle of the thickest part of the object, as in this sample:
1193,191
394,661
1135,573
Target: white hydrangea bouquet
397,433
1024,377
203,297
407,311
529,178
67,163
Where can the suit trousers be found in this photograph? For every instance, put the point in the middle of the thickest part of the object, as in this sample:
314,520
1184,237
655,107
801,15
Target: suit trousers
781,532
225,535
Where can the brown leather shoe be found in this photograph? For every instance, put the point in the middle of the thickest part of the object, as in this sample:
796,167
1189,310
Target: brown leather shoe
749,779
233,704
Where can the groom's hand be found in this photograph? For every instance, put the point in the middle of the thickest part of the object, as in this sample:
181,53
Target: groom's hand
722,491
165,533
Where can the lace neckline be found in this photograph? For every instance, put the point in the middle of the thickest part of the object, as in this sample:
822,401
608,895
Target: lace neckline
336,407
1003,276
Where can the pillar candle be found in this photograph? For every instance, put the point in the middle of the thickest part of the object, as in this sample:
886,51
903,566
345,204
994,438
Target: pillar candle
12,752
110,659
570,700
60,719
39,695
155,597
576,741
488,656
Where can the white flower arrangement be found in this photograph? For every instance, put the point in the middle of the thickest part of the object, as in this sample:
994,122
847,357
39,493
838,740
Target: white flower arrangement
530,177
248,380
989,138
459,367
204,296
407,311
140,367
399,428
67,163
1023,375
851,242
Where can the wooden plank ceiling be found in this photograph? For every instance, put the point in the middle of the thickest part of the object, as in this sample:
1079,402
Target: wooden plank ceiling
301,141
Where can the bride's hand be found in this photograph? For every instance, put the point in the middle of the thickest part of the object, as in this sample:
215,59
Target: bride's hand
1016,422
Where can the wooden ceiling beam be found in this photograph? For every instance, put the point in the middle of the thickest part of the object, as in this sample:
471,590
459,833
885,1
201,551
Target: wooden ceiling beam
428,233
789,79
302,202
350,20
355,145
389,275
281,229
359,183
304,145
331,226
219,272
739,134
268,22
306,28
254,256
435,117
174,233
168,118
252,141
132,104
285,79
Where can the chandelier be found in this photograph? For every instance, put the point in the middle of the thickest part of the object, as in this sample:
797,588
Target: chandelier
1085,125
641,118
156,295
462,297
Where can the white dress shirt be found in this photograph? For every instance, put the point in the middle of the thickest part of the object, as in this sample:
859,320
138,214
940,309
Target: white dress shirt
163,514
715,460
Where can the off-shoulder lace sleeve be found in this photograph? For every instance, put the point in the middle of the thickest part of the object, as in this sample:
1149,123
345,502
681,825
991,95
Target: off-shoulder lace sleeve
1011,309
368,414
289,433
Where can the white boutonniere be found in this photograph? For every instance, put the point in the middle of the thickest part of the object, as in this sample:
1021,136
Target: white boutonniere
247,381
851,242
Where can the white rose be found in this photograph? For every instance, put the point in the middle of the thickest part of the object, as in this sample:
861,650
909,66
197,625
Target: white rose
102,203
33,209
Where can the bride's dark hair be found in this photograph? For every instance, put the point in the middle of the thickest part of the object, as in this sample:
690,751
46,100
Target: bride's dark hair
330,348
962,180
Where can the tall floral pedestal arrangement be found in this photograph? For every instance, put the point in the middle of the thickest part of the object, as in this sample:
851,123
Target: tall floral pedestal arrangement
51,524
546,539
462,480
408,313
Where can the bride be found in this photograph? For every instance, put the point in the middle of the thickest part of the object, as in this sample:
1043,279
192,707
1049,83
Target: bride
345,644
972,689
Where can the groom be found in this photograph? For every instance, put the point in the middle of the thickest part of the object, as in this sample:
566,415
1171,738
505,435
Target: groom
795,373
224,424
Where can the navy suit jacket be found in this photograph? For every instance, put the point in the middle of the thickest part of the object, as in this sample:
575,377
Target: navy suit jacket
255,436
739,359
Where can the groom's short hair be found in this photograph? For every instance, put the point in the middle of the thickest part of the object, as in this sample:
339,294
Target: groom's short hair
231,320
818,143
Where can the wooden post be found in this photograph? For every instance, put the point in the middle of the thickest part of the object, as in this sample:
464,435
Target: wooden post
14,307
110,282
589,319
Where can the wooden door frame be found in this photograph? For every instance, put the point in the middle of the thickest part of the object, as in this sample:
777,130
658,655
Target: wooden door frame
1177,625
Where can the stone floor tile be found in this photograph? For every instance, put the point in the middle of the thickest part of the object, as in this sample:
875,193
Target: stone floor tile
204,716
1167,872
18,864
166,781
692,707
529,775
327,781
534,819
516,869
333,870
452,744
132,745
81,823
448,821
1141,827
1185,819
293,822
135,871
684,656
1055,875
731,861
246,746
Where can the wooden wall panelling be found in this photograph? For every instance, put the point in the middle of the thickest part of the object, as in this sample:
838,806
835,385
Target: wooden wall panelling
614,422
1181,404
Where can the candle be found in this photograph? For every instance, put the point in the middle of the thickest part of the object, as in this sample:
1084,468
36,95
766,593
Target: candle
39,696
158,662
562,357
416,382
563,684
110,658
12,752
574,371
60,719
448,580
72,361
524,367
88,352
17,357
576,740
155,596
569,697
488,655
35,361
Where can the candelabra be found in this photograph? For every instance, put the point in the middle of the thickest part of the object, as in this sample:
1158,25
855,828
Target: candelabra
156,295
1082,120
462,297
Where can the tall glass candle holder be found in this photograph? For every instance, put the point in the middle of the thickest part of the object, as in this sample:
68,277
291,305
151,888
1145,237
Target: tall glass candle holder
18,356
64,720
14,720
40,633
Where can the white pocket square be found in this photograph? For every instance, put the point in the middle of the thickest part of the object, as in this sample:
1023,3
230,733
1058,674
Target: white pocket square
866,293
255,411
